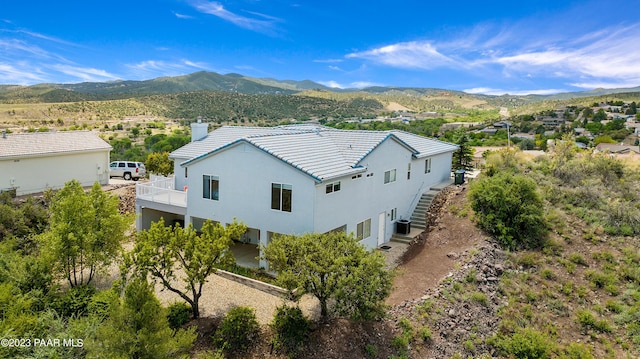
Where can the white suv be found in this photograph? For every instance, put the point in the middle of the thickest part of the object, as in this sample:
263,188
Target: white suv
127,170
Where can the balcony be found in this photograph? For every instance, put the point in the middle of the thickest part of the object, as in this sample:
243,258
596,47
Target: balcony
160,190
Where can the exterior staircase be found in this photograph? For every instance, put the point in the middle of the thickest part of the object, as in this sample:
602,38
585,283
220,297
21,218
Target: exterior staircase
418,217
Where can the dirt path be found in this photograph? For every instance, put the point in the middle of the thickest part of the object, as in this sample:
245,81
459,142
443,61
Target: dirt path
427,262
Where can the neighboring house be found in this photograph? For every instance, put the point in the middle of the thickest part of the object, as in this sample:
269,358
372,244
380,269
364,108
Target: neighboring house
616,149
297,179
552,122
33,162
635,126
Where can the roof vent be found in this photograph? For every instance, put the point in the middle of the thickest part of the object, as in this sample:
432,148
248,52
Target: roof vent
4,133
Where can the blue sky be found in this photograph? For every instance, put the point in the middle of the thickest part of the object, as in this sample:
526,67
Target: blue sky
492,47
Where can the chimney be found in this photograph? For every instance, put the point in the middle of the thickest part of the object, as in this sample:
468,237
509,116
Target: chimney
199,130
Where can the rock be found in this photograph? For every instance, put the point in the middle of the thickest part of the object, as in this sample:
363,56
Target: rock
452,255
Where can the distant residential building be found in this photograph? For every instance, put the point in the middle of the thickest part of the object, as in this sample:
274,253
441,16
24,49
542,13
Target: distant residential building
34,162
552,122
616,149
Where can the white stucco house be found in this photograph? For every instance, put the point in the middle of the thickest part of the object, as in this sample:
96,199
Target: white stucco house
297,179
34,162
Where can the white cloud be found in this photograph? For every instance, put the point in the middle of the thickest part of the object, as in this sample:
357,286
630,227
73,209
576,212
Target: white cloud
499,92
605,55
356,84
413,54
363,84
329,61
332,84
23,74
182,16
154,68
84,73
261,23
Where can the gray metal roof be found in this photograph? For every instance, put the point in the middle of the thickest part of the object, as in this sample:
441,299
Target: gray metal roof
321,152
16,145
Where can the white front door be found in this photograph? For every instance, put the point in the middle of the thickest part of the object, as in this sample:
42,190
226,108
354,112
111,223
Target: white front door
382,219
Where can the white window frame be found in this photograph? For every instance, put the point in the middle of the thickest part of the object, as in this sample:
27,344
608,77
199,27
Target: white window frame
281,202
427,165
390,176
212,195
409,171
363,229
394,214
332,187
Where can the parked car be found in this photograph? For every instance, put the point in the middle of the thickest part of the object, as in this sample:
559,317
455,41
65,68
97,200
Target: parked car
127,170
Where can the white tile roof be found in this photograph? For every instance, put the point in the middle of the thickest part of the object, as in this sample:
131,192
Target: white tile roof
16,145
321,152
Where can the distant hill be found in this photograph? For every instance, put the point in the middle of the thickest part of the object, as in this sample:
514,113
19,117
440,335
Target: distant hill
198,81
238,97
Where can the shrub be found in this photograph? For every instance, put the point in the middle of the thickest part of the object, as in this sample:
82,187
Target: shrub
178,314
238,328
102,301
425,334
577,258
577,351
401,341
291,329
479,297
509,207
74,301
588,321
371,351
526,343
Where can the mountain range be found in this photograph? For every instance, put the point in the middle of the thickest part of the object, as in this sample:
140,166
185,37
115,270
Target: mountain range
236,83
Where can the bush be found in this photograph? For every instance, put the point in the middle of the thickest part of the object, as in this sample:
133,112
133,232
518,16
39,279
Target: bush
526,343
238,328
74,301
588,321
291,329
178,314
508,207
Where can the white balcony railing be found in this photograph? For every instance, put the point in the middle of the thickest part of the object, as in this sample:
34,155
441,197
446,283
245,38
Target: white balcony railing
160,190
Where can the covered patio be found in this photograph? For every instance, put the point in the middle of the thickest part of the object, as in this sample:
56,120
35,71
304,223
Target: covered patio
246,254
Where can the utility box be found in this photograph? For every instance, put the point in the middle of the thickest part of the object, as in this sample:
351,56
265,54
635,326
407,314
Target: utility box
459,177
403,226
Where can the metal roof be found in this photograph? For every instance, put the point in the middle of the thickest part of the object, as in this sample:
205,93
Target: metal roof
16,145
321,152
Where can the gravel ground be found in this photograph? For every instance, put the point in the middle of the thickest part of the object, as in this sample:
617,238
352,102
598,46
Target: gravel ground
221,294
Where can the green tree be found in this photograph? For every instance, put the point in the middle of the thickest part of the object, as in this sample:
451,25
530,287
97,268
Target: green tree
600,115
463,157
137,327
162,251
86,232
333,267
159,162
509,207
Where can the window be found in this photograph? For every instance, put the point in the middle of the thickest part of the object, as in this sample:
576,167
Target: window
394,214
363,229
210,187
333,187
281,197
359,175
409,171
186,172
427,165
390,176
370,174
121,164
